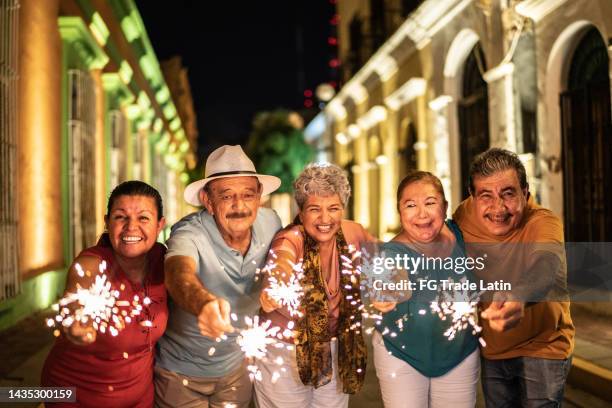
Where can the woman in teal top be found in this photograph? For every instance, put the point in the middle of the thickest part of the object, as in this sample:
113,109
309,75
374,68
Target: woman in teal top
417,365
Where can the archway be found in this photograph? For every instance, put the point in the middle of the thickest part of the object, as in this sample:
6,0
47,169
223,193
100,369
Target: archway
473,111
407,154
586,130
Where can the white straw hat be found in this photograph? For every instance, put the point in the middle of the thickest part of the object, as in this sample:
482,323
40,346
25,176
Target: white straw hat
228,161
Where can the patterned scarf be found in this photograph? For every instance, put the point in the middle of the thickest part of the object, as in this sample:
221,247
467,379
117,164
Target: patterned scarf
313,348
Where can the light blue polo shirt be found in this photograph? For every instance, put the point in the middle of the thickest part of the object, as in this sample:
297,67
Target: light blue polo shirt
226,274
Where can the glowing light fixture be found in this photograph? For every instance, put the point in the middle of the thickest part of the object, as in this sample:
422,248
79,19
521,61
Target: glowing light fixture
162,95
386,67
175,124
357,93
147,63
410,90
381,160
143,101
420,146
157,125
354,131
336,108
133,111
184,146
342,139
374,116
98,29
125,72
440,102
129,28
169,111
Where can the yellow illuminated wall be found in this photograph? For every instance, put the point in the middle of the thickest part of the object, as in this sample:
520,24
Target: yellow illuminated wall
39,144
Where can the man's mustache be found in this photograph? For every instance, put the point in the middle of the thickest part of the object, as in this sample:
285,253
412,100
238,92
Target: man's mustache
243,214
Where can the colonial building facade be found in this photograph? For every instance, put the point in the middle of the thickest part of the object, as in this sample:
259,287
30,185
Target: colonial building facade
459,76
83,106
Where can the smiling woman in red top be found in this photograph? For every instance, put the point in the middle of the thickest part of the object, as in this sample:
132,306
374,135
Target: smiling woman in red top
117,371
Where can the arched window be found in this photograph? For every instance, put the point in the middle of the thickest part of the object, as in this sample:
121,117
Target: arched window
356,56
587,142
378,26
407,154
473,113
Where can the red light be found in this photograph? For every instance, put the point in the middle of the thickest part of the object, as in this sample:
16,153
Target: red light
333,1
308,103
334,84
334,63
334,20
308,93
332,40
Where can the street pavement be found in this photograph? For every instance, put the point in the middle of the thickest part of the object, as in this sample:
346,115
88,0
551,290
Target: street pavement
24,347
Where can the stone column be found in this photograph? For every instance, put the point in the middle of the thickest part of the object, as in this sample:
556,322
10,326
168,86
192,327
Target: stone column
442,149
504,120
39,142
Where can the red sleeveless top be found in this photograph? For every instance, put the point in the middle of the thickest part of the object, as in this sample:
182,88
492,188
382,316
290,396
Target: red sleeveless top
115,371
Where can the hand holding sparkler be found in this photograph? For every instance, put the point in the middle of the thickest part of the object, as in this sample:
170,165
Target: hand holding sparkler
287,294
503,314
80,334
214,318
283,288
268,304
95,307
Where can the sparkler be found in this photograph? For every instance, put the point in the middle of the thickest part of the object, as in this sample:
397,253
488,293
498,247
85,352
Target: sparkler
254,342
461,307
99,303
286,294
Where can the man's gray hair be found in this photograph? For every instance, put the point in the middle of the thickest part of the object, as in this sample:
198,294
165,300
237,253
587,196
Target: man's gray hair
321,179
495,160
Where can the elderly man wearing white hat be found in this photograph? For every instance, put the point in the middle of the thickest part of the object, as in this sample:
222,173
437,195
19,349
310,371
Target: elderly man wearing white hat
211,265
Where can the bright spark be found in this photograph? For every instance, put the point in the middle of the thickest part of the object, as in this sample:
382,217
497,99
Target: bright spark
97,304
461,307
287,294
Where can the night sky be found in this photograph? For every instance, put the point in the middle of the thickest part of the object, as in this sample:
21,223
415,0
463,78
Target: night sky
242,57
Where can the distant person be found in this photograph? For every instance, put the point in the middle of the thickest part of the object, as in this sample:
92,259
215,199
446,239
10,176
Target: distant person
416,364
326,359
107,370
211,265
528,345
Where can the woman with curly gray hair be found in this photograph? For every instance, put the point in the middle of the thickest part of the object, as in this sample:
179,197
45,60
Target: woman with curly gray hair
326,355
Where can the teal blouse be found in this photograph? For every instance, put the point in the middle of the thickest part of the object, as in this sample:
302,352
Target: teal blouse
421,341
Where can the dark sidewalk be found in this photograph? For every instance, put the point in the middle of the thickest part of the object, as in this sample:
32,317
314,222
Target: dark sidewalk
24,347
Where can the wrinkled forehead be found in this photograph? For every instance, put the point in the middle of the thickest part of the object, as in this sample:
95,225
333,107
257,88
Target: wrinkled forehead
234,183
323,199
421,189
500,180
